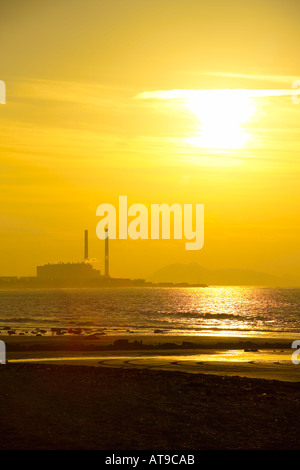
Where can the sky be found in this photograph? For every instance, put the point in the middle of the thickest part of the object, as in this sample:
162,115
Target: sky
164,101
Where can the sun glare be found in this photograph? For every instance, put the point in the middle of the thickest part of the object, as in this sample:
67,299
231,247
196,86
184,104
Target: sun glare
220,118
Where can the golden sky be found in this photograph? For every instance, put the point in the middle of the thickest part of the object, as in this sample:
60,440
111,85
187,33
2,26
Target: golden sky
109,98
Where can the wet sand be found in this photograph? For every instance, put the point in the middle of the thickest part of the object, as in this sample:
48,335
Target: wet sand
246,357
97,342
155,393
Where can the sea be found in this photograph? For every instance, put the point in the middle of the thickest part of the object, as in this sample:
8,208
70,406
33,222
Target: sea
209,311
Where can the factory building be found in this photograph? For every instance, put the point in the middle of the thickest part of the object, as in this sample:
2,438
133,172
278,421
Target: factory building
78,275
67,271
83,271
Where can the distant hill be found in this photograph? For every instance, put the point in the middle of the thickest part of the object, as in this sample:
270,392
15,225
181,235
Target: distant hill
194,273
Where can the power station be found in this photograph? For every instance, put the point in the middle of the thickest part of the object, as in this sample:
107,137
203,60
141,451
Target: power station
86,245
79,275
80,272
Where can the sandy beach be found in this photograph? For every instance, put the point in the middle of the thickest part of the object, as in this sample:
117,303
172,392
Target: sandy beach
46,406
205,393
247,357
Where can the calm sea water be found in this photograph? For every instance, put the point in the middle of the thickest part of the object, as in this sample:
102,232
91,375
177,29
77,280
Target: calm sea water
184,311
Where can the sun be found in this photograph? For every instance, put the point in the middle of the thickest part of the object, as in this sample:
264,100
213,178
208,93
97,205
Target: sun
220,117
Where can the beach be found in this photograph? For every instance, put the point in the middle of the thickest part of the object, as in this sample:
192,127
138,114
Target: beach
265,358
47,406
164,393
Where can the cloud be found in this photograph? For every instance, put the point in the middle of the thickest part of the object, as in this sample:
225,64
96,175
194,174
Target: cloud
82,93
190,94
286,79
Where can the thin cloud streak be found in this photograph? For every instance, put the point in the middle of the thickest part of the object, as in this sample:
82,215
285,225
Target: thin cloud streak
190,94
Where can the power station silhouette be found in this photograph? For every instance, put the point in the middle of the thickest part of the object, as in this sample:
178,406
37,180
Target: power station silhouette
79,275
82,273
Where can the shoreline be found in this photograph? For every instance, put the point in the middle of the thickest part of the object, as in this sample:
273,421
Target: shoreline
74,393
261,358
100,341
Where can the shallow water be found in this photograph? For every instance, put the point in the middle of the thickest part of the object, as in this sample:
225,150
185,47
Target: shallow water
265,364
225,311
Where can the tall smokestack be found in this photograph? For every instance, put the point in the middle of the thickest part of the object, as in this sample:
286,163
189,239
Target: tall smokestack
86,245
106,254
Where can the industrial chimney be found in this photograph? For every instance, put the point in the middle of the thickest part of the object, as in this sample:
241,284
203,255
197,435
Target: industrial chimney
106,254
86,245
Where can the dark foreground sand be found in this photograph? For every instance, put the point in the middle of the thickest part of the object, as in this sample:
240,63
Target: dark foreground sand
156,397
46,406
